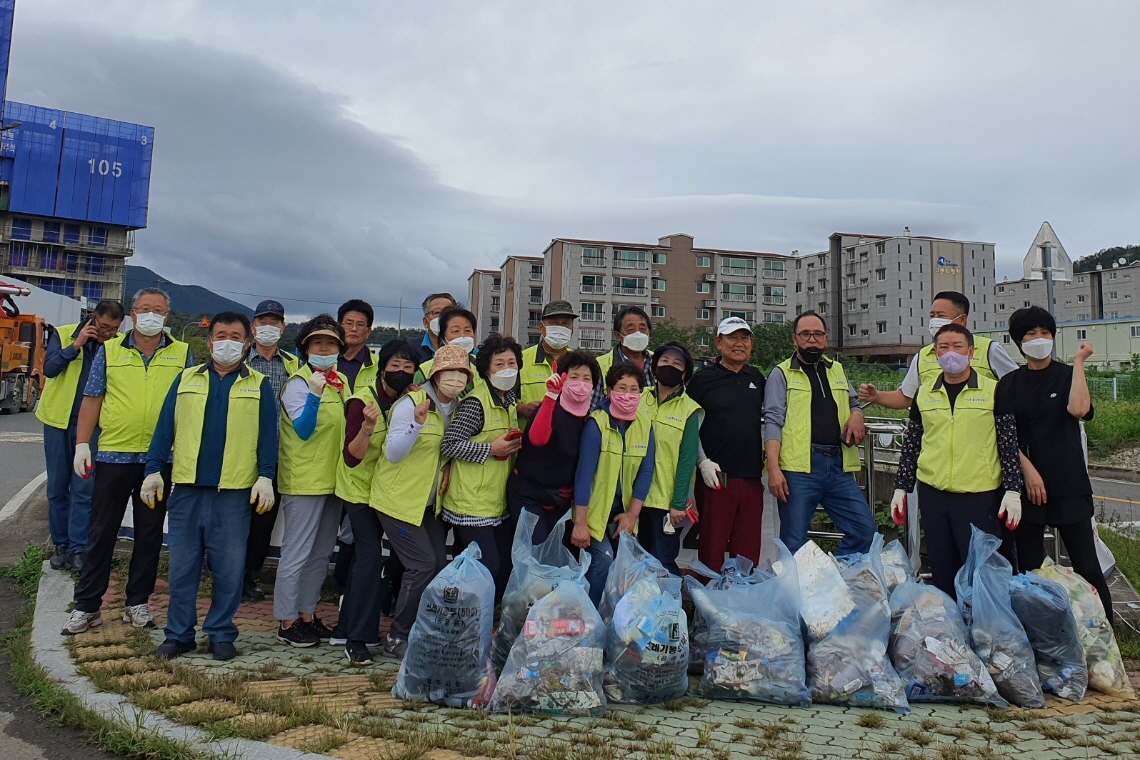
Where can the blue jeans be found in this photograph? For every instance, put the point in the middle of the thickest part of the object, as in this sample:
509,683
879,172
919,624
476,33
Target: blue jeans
841,497
601,557
216,523
69,496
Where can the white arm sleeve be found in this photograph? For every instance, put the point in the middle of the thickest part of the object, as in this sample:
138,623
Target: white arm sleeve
293,396
402,430
1000,361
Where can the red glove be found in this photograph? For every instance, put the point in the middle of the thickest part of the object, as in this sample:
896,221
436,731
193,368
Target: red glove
554,384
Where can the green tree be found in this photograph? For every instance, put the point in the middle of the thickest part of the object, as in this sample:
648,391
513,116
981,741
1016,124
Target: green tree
772,343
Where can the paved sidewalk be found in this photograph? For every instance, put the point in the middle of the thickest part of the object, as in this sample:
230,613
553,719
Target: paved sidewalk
311,700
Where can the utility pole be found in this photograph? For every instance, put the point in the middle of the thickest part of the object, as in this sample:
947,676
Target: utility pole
1047,267
399,317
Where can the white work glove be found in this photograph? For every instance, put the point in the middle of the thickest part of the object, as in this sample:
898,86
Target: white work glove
262,495
709,470
81,464
898,506
1010,509
151,491
317,382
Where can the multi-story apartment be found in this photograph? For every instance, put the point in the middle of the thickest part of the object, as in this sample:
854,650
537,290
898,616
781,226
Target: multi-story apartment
484,299
874,291
74,259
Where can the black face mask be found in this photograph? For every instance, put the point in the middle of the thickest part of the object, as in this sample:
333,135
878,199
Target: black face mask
811,355
398,381
669,376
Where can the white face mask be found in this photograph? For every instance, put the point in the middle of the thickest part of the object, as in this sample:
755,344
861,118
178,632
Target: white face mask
451,383
433,326
505,379
1039,348
227,353
936,324
466,342
636,342
557,337
267,335
149,324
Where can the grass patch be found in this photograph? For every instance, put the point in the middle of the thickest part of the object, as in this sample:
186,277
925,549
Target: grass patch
871,720
26,572
1115,426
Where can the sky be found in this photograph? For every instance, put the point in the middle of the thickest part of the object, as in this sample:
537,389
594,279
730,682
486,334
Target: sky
317,151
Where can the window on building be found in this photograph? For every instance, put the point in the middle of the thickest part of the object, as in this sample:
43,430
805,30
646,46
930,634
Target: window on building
1114,315
880,274
20,255
880,301
21,228
1025,286
822,308
629,286
850,254
1001,288
593,257
93,290
1005,338
850,304
851,279
494,304
1080,279
1001,307
1112,275
534,318
71,234
880,248
1026,304
703,340
1080,299
658,258
1082,334
799,287
594,284
852,330
591,312
774,295
738,266
630,260
51,232
799,310
536,272
71,262
658,283
494,324
704,261
799,264
704,287
497,284
657,310
773,318
97,236
881,328
95,266
741,293
703,315
747,316
1135,331
1112,295
774,269
536,296
49,259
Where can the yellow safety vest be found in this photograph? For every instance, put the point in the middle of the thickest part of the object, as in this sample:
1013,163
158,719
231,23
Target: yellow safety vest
669,420
480,490
402,489
928,368
243,423
54,409
308,468
353,484
369,371
795,444
619,461
135,393
533,373
959,446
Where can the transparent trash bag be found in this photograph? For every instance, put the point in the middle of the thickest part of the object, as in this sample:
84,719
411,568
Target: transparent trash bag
896,564
555,665
1102,655
736,571
824,596
930,649
536,571
647,644
1043,608
631,564
996,635
755,647
448,659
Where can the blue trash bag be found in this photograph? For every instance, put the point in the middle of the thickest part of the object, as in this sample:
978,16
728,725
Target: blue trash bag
647,644
755,647
896,564
631,563
555,665
996,635
448,660
930,649
1043,608
536,571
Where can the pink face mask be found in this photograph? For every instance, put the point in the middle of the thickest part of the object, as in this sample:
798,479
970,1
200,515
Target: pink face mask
623,406
575,397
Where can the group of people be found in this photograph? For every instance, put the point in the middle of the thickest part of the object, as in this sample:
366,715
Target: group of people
446,437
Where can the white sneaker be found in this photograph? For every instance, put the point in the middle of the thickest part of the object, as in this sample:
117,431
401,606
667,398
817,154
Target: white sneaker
82,621
139,616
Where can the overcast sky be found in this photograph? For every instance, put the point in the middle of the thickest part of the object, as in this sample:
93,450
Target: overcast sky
324,150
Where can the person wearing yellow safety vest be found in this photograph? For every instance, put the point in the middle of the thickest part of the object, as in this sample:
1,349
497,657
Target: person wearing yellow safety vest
366,424
631,329
456,328
539,360
67,363
405,488
311,436
961,446
812,428
948,307
220,422
481,444
677,440
615,472
129,378
277,364
356,363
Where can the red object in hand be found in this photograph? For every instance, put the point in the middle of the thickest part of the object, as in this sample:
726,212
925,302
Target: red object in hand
692,514
90,469
899,519
512,434
334,379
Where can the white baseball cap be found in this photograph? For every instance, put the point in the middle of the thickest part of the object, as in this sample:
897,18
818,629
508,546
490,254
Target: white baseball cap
732,324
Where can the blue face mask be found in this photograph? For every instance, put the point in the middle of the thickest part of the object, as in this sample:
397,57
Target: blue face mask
322,362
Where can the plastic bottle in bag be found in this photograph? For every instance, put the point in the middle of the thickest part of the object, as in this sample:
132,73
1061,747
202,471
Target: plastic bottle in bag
1043,608
555,665
631,564
647,644
996,635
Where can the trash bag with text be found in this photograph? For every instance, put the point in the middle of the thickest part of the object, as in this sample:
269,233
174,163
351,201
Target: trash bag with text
647,644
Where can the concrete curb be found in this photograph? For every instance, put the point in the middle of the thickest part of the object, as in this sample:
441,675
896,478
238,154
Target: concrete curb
52,602
1114,473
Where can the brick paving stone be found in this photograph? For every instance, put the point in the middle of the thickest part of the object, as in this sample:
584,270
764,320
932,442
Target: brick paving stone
113,652
310,736
109,633
289,686
368,748
335,704
149,680
449,754
129,665
205,710
272,723
174,694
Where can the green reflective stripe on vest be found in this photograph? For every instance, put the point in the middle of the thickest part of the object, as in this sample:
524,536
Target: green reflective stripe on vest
795,443
353,484
480,490
58,397
533,375
402,489
959,447
308,468
618,462
135,393
928,369
669,421
239,457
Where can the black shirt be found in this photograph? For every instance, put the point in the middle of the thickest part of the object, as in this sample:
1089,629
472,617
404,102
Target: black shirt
824,414
544,475
1047,434
732,432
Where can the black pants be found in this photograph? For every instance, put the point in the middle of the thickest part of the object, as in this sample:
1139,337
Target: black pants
946,519
494,547
360,611
422,550
260,534
114,484
1080,543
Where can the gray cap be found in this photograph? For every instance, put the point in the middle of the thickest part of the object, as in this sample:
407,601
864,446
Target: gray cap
559,309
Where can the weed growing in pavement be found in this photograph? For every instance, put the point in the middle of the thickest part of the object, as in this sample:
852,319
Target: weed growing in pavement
921,738
26,572
871,720
890,746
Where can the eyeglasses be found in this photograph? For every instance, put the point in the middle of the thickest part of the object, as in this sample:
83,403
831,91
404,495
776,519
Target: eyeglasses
811,335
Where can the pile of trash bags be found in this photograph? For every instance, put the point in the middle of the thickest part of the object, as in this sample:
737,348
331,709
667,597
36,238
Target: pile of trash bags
997,636
896,565
448,659
1043,608
736,571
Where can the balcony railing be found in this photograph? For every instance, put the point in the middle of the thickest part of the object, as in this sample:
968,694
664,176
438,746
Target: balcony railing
739,297
594,261
536,276
593,345
533,301
631,264
496,288
592,316
739,271
775,300
494,308
620,291
598,290
534,323
775,274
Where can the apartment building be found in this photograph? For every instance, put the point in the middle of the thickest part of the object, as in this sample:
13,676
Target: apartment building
484,291
1115,341
874,291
